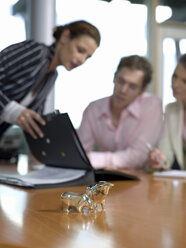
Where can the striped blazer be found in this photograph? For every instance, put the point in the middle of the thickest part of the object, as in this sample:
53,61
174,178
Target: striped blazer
22,66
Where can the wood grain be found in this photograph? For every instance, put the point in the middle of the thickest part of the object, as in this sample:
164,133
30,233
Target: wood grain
147,213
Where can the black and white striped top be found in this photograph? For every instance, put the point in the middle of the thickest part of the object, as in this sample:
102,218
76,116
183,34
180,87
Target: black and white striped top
22,66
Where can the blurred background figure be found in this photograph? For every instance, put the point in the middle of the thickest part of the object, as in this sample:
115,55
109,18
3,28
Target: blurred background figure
172,149
121,125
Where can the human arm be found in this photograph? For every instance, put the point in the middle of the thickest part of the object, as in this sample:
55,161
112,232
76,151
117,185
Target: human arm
157,159
132,151
170,144
135,154
85,130
27,119
17,64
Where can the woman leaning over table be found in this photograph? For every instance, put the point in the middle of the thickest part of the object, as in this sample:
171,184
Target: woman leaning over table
28,72
172,149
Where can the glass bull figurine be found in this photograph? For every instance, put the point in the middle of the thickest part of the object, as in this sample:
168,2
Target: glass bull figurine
93,198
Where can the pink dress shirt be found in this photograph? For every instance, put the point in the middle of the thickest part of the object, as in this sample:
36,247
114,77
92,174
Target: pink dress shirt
122,146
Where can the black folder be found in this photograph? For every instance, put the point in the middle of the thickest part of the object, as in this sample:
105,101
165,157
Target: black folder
61,148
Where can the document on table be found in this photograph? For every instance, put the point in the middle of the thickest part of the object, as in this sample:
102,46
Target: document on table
171,173
46,175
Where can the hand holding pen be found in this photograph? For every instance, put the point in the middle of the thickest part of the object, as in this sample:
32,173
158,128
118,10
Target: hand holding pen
157,159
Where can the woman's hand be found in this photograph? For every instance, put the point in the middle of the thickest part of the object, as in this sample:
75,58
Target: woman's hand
157,159
27,121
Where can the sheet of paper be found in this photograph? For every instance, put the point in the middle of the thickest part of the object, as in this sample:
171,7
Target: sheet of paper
171,173
46,175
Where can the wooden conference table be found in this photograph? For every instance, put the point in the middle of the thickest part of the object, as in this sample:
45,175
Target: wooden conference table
147,213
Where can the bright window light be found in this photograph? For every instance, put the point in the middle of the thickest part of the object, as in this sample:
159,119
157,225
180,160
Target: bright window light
163,13
121,35
169,45
12,27
169,62
120,2
183,46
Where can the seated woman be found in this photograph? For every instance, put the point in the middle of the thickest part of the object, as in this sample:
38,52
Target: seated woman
172,148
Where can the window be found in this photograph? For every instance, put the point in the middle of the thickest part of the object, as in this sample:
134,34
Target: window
12,27
172,45
122,35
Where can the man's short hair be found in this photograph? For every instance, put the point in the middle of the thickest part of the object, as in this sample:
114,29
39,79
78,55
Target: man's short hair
136,62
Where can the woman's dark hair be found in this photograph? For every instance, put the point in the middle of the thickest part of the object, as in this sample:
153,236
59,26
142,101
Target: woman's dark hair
78,28
182,60
136,62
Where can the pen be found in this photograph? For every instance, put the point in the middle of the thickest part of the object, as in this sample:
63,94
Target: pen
151,148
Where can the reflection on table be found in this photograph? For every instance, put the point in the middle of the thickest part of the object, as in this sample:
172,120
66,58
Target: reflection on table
146,213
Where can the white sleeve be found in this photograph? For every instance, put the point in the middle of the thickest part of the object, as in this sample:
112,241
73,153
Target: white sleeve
11,112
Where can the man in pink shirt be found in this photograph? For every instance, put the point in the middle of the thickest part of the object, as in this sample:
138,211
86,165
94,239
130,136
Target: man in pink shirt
122,125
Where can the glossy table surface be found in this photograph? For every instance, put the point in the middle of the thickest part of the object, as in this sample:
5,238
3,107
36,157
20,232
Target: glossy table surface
146,213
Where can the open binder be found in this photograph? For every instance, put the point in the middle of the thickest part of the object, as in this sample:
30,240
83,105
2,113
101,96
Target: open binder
61,151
